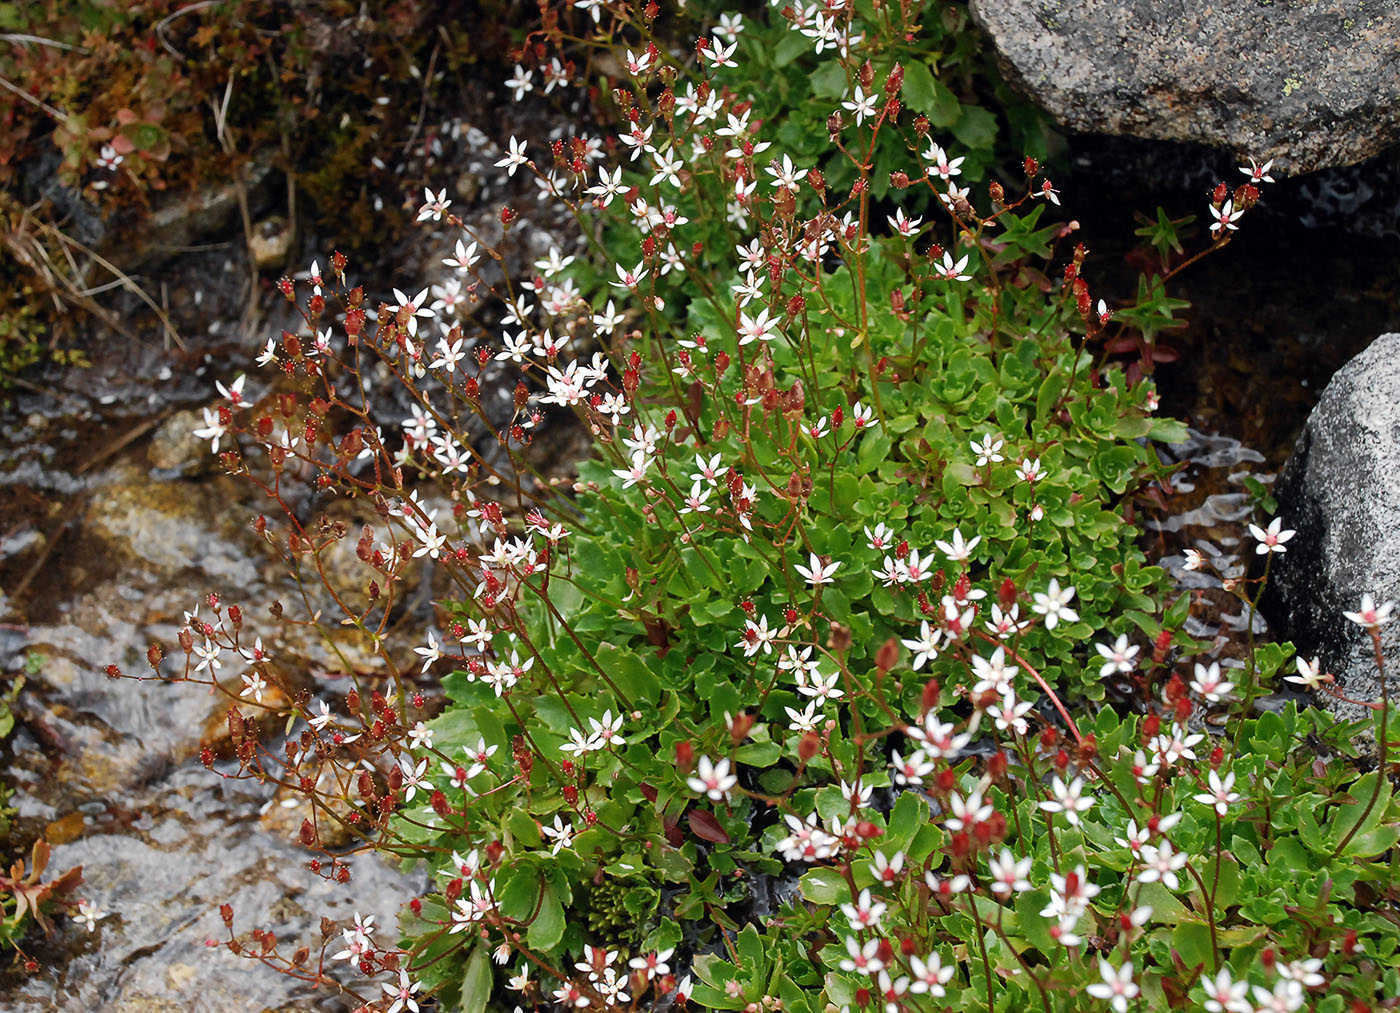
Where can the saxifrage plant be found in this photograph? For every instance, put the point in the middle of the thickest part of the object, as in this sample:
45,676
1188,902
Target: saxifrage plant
797,700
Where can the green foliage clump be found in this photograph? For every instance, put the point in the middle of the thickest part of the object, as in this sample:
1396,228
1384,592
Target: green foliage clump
800,696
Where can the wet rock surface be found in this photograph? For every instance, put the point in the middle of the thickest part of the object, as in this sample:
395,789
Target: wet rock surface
1341,493
1309,85
118,520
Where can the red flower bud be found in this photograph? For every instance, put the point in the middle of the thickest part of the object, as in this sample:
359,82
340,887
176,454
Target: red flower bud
685,756
928,698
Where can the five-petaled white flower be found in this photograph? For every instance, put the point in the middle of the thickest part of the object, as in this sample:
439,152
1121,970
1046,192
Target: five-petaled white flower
957,550
1309,674
1220,795
1271,540
713,778
1117,985
817,573
1370,615
951,270
1118,657
1225,217
515,158
1068,799
1053,604
434,205
1258,173
862,105
785,175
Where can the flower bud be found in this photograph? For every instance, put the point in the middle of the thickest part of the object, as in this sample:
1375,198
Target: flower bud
895,81
888,655
1031,166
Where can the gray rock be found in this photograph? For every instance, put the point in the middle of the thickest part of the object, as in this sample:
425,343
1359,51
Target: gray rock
174,447
1308,84
1341,492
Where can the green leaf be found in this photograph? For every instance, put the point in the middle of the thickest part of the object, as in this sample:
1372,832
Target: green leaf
790,47
517,896
1049,394
823,886
976,128
909,813
1371,843
548,927
631,673
1191,939
1350,815
476,984
750,948
1171,431
759,754
829,80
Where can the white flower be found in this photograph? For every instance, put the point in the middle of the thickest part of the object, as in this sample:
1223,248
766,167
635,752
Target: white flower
434,205
1370,615
213,430
1117,986
988,450
930,975
1220,795
429,654
1210,684
1225,218
862,105
925,645
1309,675
1225,995
1118,658
817,574
89,914
516,157
1068,799
1161,863
1008,873
1258,173
785,175
958,551
561,834
1053,604
1271,540
714,779
865,913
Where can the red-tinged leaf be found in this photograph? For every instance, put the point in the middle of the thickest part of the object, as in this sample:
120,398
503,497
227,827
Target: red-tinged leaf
704,826
1161,354
649,792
